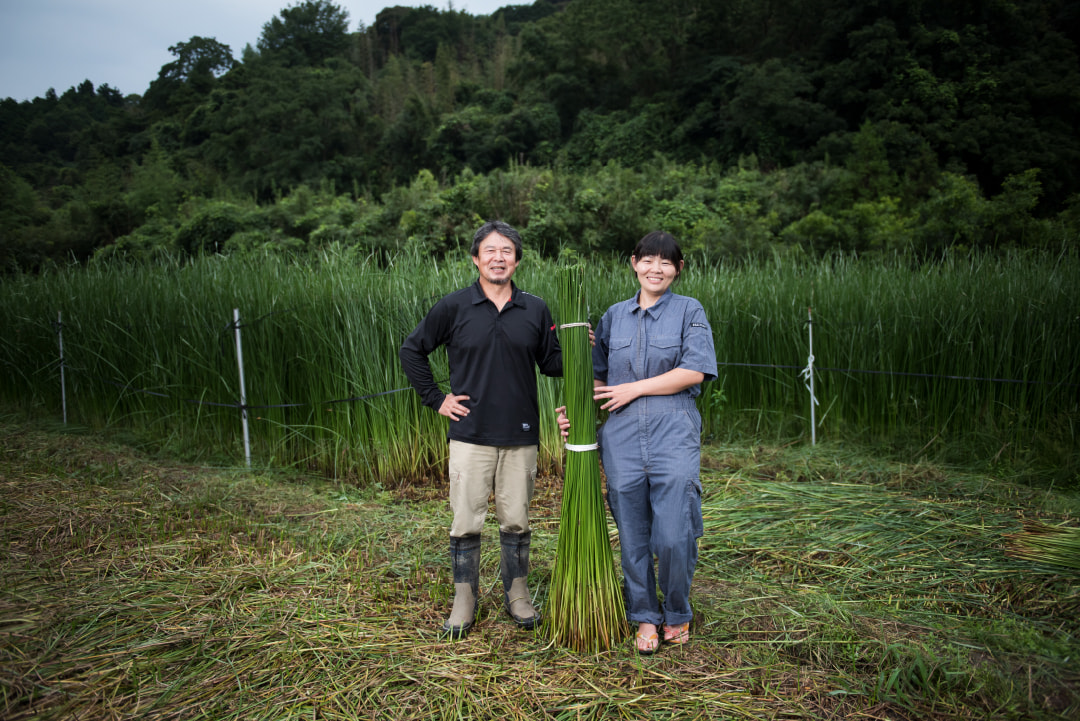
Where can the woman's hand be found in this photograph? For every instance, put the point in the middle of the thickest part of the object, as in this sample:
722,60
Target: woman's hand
615,397
674,381
563,421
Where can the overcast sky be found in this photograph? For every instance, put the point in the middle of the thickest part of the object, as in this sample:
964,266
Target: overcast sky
123,43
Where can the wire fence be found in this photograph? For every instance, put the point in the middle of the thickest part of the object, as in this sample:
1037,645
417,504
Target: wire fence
235,326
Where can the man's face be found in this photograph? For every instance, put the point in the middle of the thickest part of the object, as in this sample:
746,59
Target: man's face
496,259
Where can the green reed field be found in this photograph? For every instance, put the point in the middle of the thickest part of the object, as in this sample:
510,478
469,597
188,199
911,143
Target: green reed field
971,357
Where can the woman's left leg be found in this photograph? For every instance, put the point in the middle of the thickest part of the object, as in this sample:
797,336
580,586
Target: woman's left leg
675,496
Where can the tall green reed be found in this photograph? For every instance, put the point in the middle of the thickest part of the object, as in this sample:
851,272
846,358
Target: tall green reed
971,346
968,343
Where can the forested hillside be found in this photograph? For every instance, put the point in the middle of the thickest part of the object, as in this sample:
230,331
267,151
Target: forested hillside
744,126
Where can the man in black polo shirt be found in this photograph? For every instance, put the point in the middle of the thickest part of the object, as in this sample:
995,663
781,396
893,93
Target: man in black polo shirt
496,335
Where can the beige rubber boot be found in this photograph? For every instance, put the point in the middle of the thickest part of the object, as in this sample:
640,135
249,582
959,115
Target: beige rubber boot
514,567
465,559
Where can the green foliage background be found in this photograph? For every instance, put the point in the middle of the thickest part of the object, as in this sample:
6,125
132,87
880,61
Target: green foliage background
886,163
744,127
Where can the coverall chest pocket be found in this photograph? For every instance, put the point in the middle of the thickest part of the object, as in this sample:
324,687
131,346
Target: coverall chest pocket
620,359
664,353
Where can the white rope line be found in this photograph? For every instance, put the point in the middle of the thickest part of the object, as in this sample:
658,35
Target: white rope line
582,448
807,374
572,325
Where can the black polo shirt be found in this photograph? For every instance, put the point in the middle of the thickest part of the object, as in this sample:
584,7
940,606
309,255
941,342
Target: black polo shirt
493,358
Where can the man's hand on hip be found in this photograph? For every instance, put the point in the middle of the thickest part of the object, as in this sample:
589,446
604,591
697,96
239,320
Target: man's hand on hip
451,407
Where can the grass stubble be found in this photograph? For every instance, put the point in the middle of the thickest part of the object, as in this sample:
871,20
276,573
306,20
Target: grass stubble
831,584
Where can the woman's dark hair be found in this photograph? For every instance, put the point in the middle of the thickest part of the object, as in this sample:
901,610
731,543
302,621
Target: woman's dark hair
496,226
662,244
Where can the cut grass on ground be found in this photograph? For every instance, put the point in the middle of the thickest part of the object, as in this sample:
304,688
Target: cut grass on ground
831,584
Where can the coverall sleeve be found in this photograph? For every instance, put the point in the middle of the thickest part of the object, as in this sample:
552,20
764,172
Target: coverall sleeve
600,350
698,352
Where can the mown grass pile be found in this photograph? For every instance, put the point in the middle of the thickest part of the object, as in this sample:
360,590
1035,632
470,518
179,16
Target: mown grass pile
585,603
968,357
1056,545
831,585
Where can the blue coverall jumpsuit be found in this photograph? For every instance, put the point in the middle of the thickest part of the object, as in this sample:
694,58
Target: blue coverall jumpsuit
651,449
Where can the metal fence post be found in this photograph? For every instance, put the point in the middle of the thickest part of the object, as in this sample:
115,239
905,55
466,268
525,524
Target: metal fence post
243,394
808,377
63,384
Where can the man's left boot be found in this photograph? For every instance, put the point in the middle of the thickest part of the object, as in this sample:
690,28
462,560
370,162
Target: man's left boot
514,566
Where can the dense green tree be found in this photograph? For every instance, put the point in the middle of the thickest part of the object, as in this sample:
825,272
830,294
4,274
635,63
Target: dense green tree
190,77
483,138
20,210
52,139
424,29
552,67
404,146
514,17
446,79
306,33
387,32
822,123
994,88
773,113
275,127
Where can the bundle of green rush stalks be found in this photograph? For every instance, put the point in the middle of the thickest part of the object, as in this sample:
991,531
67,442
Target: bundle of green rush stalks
585,605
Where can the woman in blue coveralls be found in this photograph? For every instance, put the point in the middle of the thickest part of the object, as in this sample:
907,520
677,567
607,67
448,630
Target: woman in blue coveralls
651,355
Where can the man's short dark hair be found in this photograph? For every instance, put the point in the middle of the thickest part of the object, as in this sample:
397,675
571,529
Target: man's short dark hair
496,226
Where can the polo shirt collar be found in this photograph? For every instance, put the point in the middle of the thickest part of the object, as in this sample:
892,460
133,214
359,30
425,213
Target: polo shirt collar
479,297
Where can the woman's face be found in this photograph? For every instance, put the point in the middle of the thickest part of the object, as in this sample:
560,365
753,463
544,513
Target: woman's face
655,273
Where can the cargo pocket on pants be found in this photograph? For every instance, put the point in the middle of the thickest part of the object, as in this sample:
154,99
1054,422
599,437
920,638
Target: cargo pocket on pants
693,492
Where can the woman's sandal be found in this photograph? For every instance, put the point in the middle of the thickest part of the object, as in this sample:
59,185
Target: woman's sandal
678,634
646,643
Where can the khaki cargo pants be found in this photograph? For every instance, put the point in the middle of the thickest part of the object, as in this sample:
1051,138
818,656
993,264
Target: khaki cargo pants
478,471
